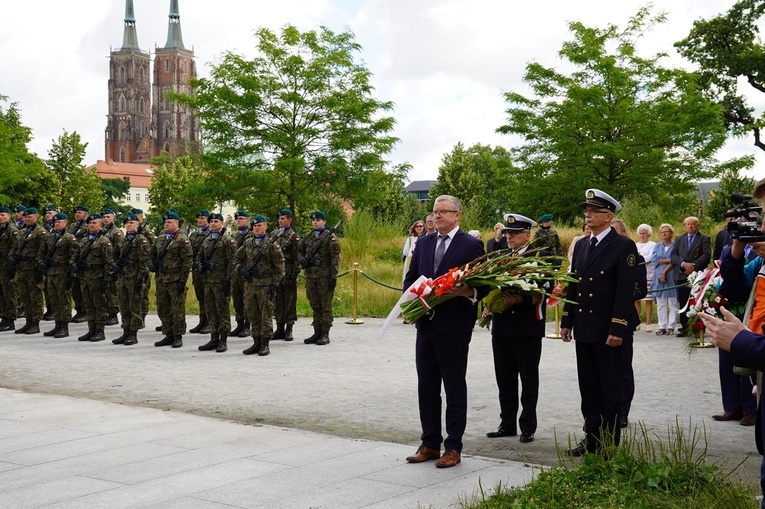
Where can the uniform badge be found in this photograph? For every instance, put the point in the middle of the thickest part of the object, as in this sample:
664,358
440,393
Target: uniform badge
590,194
631,260
510,219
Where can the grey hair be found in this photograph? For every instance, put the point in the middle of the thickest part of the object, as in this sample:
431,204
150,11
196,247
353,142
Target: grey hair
455,203
645,227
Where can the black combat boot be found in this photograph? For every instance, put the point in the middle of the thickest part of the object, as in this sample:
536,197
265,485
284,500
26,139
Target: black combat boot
210,345
158,328
48,316
112,320
97,336
34,328
288,333
132,338
222,345
121,340
264,350
89,334
279,332
324,338
255,348
24,328
80,317
239,327
312,339
63,332
54,330
246,331
166,341
200,325
6,325
177,341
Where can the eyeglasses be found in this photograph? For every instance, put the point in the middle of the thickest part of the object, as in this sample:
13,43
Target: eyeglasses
514,233
419,226
665,231
590,211
442,212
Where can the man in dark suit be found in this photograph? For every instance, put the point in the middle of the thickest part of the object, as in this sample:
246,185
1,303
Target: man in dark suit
443,335
605,267
516,342
691,253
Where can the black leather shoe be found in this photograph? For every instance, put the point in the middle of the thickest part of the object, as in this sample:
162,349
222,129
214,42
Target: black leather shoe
681,334
526,437
623,422
501,432
579,450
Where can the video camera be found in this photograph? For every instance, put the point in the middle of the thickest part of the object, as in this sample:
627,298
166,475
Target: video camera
747,223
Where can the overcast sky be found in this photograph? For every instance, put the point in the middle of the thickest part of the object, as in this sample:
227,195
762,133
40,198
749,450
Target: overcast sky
444,64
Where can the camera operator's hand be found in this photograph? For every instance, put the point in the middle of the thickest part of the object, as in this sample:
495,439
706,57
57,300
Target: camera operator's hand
737,249
759,248
722,332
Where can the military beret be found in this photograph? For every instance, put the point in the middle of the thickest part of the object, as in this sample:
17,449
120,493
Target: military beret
600,199
131,217
171,209
284,212
50,208
30,211
241,213
517,223
217,216
204,212
259,219
5,209
171,214
546,217
19,208
318,215
107,211
94,216
82,208
135,211
60,216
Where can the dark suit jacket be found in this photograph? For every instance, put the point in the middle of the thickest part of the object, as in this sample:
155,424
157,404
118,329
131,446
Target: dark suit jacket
457,314
722,239
604,290
522,320
699,254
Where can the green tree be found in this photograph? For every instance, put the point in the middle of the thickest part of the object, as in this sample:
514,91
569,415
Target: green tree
114,190
78,187
294,125
727,48
23,173
731,181
178,185
618,122
481,177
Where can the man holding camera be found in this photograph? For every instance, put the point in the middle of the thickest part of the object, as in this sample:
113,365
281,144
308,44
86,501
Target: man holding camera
691,253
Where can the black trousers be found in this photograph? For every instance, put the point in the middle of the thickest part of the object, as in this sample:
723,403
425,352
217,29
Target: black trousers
442,357
599,368
516,357
683,294
628,375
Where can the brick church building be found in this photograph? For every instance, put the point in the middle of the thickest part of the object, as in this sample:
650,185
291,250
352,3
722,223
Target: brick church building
142,121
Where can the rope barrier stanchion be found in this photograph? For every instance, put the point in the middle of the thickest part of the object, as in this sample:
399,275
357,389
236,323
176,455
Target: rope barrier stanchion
556,334
355,320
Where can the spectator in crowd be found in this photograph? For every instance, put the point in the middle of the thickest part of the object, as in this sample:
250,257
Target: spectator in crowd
663,281
645,248
416,231
498,241
430,224
585,233
722,238
546,237
691,253
476,234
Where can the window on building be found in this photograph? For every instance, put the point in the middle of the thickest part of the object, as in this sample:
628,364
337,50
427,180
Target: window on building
122,154
166,147
123,76
126,179
167,66
127,197
123,131
167,130
143,128
141,105
137,197
146,197
140,75
123,104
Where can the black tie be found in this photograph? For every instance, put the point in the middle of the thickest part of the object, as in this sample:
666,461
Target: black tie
440,250
593,242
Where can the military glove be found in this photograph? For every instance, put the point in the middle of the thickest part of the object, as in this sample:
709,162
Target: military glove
226,288
198,268
73,269
271,292
303,261
331,284
104,286
244,273
180,287
39,276
152,266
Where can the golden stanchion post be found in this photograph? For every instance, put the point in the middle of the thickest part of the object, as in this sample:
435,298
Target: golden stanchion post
556,335
701,343
355,321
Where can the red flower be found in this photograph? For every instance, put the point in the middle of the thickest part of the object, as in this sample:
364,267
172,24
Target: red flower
698,326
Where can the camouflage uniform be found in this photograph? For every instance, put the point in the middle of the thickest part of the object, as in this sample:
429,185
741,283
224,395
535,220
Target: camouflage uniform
151,238
115,236
94,270
321,278
546,239
55,259
260,287
131,259
79,229
29,286
9,243
285,305
215,265
171,257
196,238
237,290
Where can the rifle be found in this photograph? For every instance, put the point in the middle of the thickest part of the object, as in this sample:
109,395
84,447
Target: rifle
253,269
307,261
158,265
123,261
206,264
49,262
82,262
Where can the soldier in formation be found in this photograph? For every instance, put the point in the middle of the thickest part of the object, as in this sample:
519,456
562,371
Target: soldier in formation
49,212
93,268
214,266
79,228
196,238
285,305
28,284
114,235
130,268
260,263
54,261
9,243
319,255
149,236
242,330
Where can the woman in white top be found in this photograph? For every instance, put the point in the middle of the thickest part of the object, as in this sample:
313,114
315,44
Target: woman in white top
415,231
645,249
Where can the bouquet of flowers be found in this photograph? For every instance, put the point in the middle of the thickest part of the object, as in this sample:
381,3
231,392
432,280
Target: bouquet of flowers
704,298
499,270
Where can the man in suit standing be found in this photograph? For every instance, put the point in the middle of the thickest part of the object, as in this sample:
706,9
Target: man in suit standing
691,253
605,267
516,342
443,335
